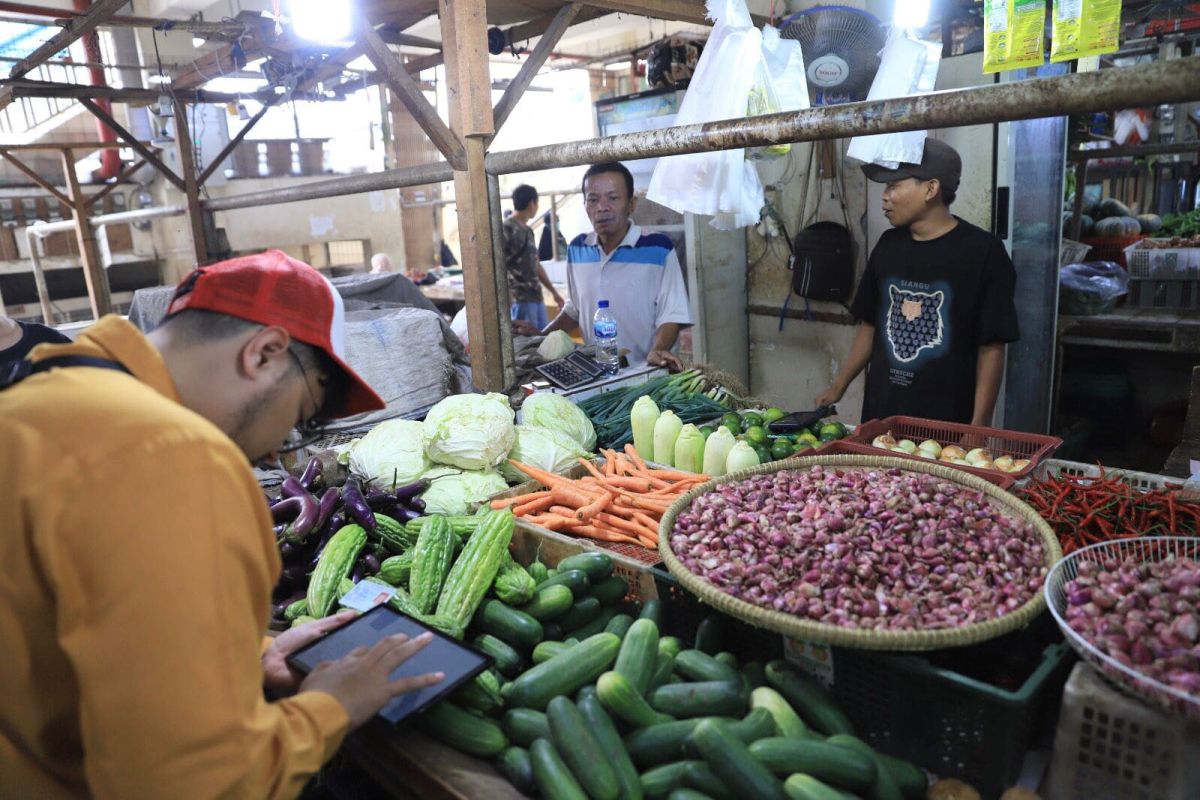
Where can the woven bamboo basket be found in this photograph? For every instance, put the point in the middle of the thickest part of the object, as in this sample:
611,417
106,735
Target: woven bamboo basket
809,630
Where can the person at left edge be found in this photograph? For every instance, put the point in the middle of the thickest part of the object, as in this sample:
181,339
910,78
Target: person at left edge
18,338
139,557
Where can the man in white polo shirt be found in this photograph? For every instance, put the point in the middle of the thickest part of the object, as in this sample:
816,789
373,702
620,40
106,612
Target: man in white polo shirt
637,273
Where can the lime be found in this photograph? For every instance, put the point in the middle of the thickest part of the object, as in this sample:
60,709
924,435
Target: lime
807,436
831,431
781,449
707,431
764,455
756,434
803,445
772,414
751,418
733,422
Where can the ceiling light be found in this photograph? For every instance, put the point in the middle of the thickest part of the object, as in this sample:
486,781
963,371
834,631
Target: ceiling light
910,13
321,20
198,42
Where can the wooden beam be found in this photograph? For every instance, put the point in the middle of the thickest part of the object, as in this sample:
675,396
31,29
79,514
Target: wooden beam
331,67
537,26
76,91
132,141
99,293
191,188
33,176
98,13
125,173
235,141
464,36
678,10
409,94
533,64
413,67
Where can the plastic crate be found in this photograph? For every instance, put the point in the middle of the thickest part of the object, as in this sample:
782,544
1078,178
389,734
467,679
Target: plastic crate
1017,444
1162,263
1108,249
531,543
683,612
970,713
1142,481
1184,295
1111,746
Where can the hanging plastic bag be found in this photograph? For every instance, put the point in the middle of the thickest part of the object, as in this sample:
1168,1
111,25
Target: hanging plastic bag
1091,288
1014,34
906,67
718,183
780,85
1084,28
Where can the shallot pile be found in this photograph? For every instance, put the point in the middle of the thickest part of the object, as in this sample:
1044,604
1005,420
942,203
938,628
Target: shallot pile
862,548
1145,616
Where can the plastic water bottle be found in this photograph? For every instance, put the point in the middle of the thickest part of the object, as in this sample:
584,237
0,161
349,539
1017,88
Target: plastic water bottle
604,332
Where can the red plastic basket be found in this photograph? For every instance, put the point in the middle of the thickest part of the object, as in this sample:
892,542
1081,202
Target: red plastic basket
1017,444
1108,249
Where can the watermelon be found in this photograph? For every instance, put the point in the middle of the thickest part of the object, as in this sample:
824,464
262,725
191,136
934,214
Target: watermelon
1112,208
1118,227
1086,224
1150,223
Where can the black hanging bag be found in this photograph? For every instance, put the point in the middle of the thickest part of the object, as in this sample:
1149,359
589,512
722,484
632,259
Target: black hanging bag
823,262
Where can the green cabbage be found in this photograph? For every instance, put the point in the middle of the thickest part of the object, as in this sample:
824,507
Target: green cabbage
455,493
471,431
550,410
555,346
391,451
544,448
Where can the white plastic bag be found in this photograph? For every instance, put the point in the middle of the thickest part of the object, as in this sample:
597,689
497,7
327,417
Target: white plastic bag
907,67
785,63
719,183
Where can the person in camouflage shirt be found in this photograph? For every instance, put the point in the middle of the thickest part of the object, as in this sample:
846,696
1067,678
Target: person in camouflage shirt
526,277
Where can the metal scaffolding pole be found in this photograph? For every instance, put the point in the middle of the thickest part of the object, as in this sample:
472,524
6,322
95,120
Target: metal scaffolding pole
420,175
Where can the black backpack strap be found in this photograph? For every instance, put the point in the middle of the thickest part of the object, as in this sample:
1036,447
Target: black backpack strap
17,371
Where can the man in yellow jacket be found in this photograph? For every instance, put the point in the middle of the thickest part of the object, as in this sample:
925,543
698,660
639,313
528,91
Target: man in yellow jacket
138,556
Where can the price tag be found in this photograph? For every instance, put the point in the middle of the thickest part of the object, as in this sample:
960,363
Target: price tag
811,657
366,595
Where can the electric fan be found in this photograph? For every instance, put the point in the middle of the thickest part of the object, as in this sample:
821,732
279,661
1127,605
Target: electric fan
841,50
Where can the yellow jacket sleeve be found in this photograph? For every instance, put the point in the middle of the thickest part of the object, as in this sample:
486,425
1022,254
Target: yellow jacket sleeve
162,619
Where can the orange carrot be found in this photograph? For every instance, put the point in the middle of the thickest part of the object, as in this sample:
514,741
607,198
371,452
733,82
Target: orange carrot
610,467
647,542
676,475
534,506
540,475
496,505
632,452
572,496
585,513
552,522
618,522
591,468
646,520
640,485
602,534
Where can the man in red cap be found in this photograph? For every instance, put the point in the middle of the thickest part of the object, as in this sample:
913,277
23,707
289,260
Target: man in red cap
139,557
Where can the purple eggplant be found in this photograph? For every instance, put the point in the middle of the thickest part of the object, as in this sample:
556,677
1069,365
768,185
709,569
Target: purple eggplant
409,491
381,501
357,574
292,487
279,529
329,501
356,506
402,514
416,504
306,522
286,510
313,475
370,564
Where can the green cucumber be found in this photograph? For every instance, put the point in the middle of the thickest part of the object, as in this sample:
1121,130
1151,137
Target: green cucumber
463,731
552,776
508,624
702,699
697,666
806,787
549,603
728,659
508,661
669,644
552,632
664,668
787,722
700,777
619,697
537,571
884,787
756,673
709,635
639,655
597,566
547,650
729,759
610,590
653,610
836,765
620,625
574,579
523,725
514,764
583,612
597,625
482,693
661,781
808,698
564,673
909,778
689,794
659,744
750,728
611,746
572,737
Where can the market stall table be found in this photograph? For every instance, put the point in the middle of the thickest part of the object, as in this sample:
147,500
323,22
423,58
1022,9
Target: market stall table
447,295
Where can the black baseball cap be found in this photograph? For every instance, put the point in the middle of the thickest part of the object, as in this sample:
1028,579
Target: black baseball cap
939,160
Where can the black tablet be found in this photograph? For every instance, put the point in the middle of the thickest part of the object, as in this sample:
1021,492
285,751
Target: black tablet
460,662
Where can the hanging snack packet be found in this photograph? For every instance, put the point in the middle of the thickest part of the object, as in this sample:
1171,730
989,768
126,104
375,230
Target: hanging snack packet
1085,28
1014,34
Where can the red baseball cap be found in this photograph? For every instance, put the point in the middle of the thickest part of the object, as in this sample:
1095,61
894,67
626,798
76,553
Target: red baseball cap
272,288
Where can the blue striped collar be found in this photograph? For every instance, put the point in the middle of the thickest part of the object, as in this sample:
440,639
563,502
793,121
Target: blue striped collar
631,238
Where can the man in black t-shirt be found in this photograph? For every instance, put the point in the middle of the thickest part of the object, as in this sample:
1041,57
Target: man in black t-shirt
935,305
